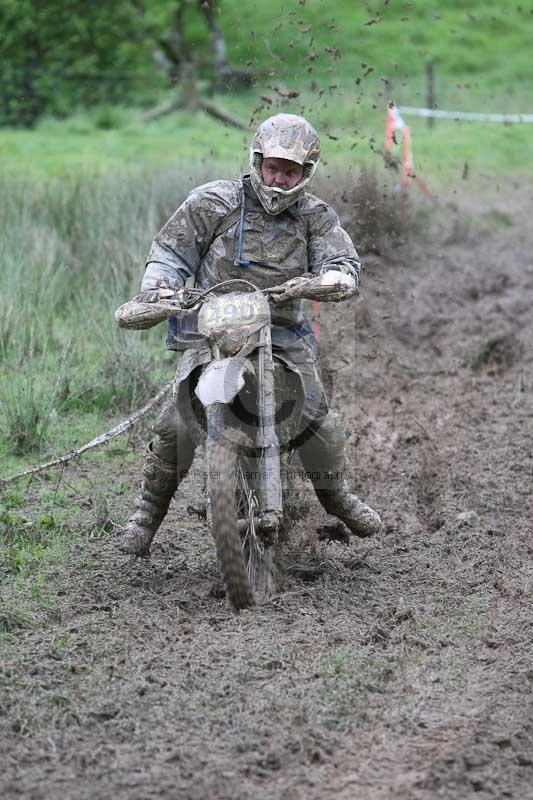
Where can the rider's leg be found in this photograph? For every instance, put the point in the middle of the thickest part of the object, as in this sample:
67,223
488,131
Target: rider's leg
167,461
323,455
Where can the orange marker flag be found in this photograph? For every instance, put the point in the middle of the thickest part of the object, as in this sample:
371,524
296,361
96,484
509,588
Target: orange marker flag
395,123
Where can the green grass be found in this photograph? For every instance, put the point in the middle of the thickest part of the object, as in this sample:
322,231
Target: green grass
77,146
28,541
328,53
192,147
480,51
467,39
65,368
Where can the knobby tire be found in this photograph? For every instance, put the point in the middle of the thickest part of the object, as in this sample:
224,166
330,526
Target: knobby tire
224,513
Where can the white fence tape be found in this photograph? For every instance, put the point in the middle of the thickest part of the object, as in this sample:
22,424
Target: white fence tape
439,114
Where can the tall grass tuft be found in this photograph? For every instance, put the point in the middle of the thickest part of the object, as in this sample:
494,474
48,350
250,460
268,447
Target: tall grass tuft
30,401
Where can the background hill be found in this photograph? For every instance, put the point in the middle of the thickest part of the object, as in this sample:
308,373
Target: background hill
487,42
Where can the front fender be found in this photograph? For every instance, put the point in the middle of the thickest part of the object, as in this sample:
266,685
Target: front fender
222,380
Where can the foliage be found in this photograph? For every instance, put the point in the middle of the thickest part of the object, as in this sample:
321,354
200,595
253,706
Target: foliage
28,405
66,52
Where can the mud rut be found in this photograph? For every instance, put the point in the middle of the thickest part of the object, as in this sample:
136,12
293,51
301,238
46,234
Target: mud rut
400,667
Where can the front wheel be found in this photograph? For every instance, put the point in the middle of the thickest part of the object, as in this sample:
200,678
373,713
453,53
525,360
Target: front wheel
246,562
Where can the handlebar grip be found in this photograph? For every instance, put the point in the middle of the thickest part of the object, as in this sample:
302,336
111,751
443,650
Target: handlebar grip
141,316
316,288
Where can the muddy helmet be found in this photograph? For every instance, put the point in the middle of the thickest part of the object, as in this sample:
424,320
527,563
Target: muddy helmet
283,136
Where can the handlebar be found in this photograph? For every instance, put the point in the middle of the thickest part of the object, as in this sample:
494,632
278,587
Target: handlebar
139,316
330,287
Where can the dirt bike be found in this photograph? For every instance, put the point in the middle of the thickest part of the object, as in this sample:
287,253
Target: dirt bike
248,398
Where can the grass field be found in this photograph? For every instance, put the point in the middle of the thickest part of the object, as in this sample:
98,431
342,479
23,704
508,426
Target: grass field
336,56
352,134
485,42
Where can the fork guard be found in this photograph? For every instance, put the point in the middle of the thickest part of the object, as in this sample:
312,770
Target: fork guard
222,380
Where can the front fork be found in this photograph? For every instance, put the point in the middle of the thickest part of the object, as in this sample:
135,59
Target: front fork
268,483
270,491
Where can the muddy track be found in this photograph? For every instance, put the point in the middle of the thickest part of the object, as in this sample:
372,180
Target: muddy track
399,667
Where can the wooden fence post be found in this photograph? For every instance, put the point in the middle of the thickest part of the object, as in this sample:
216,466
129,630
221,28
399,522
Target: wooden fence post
430,76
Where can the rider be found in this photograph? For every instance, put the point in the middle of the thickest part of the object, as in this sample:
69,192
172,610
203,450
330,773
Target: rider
267,228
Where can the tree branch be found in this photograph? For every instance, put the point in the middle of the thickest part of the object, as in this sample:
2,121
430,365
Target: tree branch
218,44
222,116
122,427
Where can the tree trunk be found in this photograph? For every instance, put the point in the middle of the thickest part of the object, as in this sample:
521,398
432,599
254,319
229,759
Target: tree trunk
209,9
184,70
173,44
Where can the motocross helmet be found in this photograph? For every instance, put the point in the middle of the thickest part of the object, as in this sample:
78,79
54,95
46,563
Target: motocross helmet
283,136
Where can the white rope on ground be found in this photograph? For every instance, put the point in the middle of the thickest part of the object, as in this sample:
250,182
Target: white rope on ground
122,427
438,113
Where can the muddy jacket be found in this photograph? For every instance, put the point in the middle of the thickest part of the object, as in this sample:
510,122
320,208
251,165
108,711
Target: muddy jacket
222,231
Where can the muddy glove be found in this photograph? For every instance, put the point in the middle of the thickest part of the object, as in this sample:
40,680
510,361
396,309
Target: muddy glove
161,292
288,290
335,277
339,265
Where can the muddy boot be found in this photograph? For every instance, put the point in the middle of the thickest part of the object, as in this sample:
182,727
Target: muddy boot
359,517
157,489
169,457
323,457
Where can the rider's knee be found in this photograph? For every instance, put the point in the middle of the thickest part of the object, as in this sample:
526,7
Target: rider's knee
172,441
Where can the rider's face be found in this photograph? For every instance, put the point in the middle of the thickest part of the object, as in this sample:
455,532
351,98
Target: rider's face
281,173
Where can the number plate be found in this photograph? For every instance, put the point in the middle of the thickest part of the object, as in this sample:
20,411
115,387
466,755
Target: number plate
234,310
